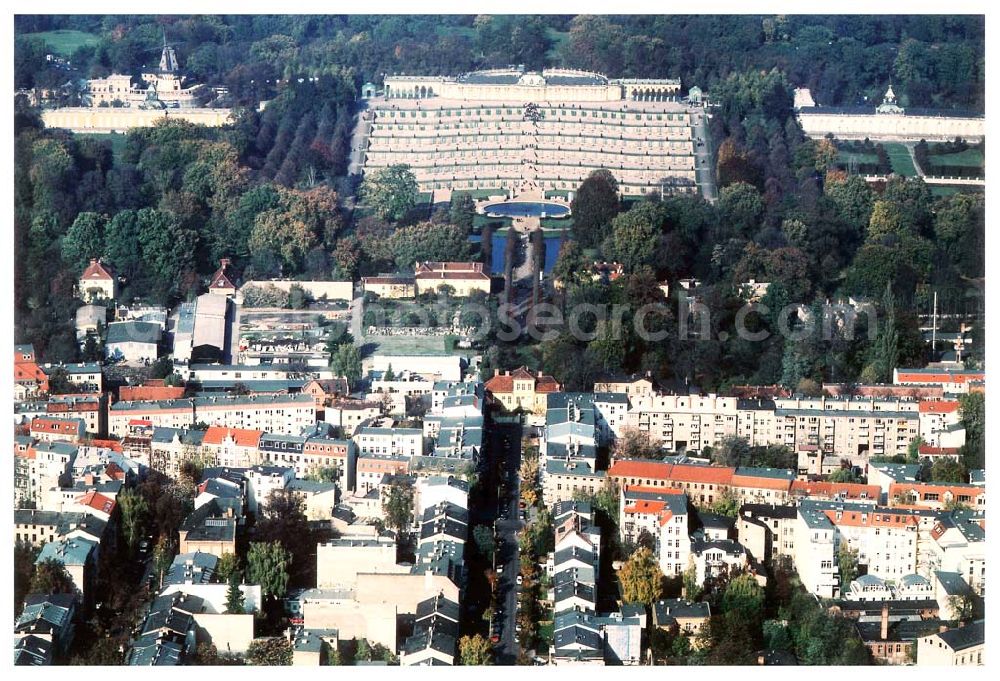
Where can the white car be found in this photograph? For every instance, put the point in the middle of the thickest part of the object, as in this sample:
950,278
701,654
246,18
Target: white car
520,579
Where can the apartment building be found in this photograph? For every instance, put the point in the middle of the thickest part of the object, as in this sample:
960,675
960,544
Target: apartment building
269,413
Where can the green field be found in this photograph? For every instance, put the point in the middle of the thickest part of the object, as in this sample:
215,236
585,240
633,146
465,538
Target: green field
970,158
899,159
476,194
65,43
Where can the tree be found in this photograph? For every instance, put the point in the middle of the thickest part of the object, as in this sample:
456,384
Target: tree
744,596
845,474
235,600
475,651
847,562
726,504
24,569
641,578
634,443
267,565
83,240
463,212
227,567
278,234
732,451
163,555
741,209
635,235
398,505
427,241
134,511
270,652
51,577
594,206
346,362
972,408
483,536
948,470
391,191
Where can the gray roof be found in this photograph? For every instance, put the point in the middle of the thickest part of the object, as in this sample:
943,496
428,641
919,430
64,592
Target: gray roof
32,651
669,610
68,551
133,332
952,582
192,568
151,650
960,638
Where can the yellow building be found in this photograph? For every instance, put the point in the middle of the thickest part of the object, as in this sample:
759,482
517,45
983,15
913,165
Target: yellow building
521,389
463,277
390,286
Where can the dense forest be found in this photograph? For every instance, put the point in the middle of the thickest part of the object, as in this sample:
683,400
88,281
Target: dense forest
932,61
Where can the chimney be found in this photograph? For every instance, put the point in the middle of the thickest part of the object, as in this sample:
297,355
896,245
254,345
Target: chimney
224,262
760,659
885,622
943,628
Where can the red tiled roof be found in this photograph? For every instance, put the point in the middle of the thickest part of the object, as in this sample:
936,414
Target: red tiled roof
876,517
504,383
760,482
712,474
114,471
241,436
55,425
97,501
97,271
113,445
849,490
221,277
645,506
140,393
373,465
930,450
938,406
640,469
901,489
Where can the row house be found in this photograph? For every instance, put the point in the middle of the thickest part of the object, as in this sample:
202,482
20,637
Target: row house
371,470
685,422
663,515
171,447
951,380
348,415
38,467
389,441
269,413
767,531
37,528
86,376
87,408
53,429
958,544
232,447
937,496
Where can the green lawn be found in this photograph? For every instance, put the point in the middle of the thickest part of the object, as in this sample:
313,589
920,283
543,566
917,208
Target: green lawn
970,158
899,159
476,194
65,43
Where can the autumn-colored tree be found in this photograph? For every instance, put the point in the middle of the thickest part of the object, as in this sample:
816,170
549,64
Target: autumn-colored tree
270,652
641,578
634,443
475,651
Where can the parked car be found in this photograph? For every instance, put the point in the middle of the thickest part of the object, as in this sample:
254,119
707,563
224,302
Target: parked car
520,580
